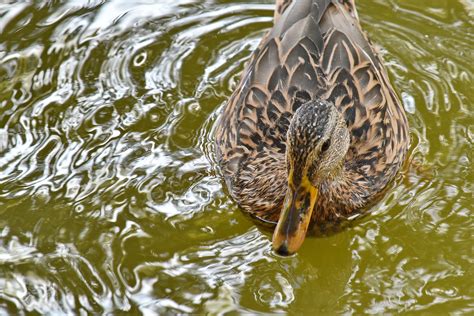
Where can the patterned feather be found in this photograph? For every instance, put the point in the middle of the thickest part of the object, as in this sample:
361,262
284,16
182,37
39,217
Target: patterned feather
316,50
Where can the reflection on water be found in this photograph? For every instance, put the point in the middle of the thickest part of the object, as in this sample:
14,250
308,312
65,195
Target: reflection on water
108,195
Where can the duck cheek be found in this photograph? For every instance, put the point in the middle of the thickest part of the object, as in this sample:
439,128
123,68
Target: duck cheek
314,174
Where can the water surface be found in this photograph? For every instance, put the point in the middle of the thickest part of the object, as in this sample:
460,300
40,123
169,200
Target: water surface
109,196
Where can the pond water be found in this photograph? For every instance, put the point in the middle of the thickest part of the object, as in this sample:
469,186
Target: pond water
109,195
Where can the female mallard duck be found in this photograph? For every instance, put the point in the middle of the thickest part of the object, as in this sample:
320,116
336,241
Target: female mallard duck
314,132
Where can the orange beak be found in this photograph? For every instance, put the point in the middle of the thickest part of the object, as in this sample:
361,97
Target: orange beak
295,217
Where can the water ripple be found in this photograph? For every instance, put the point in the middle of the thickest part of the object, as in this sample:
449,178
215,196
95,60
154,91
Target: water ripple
110,200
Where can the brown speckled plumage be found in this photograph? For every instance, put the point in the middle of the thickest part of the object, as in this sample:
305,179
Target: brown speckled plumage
315,51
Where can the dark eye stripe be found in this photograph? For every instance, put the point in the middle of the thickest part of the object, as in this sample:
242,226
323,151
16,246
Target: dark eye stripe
326,145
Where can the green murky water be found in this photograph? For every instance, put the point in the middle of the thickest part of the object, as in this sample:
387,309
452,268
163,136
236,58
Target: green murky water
110,201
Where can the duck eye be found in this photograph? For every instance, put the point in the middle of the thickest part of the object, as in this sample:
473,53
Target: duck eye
326,145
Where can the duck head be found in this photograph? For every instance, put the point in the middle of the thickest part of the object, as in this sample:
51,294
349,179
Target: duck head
316,145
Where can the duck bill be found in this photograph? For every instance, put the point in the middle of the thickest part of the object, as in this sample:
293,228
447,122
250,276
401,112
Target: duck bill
294,219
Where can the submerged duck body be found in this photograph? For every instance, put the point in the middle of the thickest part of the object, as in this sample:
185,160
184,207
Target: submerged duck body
314,131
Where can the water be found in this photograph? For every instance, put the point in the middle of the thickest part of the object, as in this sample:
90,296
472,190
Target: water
109,197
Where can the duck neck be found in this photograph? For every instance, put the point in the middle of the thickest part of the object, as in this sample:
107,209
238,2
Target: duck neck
343,194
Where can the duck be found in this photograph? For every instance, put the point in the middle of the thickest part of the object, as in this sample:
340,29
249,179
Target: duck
314,132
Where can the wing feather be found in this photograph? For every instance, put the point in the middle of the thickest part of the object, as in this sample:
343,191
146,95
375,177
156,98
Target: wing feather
316,49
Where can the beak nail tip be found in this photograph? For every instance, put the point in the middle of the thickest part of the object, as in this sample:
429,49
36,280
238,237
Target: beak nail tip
283,250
